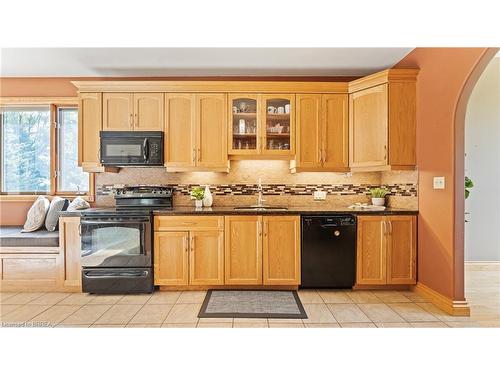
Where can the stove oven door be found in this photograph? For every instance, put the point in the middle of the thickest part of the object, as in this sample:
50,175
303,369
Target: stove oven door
116,241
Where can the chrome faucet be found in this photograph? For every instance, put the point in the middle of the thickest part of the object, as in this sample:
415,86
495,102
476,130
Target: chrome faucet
260,200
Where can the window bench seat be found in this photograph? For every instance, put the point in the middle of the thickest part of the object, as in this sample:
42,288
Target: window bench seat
30,261
11,236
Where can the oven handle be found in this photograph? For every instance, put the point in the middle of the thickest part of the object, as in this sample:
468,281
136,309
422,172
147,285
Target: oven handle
146,149
126,274
121,221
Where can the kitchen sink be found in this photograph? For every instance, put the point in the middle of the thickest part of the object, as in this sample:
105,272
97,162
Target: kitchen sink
260,208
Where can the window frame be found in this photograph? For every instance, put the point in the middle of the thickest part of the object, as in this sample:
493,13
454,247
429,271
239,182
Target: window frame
53,104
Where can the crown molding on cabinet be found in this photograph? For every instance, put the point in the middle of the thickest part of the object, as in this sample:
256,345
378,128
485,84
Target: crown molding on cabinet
392,75
212,86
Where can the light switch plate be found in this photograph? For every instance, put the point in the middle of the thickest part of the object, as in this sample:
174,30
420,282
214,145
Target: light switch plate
438,183
319,195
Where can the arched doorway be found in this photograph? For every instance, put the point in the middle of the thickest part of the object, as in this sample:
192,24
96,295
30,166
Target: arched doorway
482,166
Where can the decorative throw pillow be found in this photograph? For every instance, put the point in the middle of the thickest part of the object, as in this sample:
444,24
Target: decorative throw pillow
78,204
56,206
36,214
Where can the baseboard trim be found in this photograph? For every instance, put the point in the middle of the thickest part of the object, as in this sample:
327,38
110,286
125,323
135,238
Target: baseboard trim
455,308
473,265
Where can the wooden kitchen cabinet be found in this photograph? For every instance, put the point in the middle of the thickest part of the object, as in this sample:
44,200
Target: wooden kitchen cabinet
243,250
386,250
322,133
89,126
206,261
369,127
171,253
196,132
189,250
132,111
402,250
262,126
262,250
281,250
148,111
382,121
69,236
118,111
371,251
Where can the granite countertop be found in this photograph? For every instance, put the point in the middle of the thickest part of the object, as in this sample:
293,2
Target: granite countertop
230,210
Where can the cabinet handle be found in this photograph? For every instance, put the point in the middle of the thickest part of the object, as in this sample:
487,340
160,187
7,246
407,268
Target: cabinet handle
324,155
131,120
385,227
136,122
259,226
390,227
199,154
385,152
320,156
265,228
194,155
192,243
186,247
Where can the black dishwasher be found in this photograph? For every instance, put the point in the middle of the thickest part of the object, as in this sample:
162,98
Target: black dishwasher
328,251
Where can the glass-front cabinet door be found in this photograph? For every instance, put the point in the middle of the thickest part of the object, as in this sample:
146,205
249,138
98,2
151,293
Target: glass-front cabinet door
244,125
278,128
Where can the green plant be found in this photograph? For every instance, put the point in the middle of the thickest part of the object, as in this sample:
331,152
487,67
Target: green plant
197,193
378,193
468,185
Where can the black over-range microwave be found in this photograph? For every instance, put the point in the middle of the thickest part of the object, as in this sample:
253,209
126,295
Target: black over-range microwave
129,148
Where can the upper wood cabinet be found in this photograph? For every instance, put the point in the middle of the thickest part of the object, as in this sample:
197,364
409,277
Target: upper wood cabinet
148,111
243,250
89,126
382,121
368,127
196,132
322,133
281,250
261,126
180,131
386,250
132,111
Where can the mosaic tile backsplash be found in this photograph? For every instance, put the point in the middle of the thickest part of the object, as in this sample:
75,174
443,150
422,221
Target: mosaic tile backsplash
280,187
408,190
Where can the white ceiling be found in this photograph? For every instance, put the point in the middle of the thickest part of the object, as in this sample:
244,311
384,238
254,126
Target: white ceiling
158,62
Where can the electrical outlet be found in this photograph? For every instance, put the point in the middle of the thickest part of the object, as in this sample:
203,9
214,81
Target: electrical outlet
319,195
438,183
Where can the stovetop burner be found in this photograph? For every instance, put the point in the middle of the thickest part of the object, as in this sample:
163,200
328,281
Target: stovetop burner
144,197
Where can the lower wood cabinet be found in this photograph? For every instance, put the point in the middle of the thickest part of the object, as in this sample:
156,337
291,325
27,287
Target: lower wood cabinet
386,250
281,250
193,256
231,250
171,258
243,258
206,258
262,250
70,243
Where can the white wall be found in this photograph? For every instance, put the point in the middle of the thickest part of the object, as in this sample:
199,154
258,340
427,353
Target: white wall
482,165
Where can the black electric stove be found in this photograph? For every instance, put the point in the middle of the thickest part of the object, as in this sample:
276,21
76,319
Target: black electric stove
117,242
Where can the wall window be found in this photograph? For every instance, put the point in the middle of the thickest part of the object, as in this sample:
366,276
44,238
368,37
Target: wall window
26,150
39,151
70,177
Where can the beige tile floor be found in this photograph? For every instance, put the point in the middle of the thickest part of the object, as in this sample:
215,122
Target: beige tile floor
325,308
